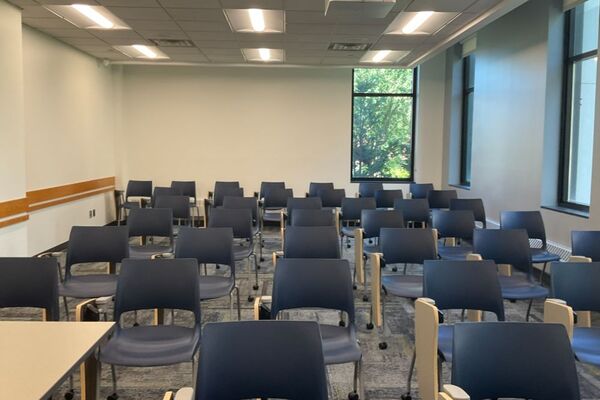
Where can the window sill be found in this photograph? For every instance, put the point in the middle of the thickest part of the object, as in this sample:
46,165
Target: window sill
456,185
567,210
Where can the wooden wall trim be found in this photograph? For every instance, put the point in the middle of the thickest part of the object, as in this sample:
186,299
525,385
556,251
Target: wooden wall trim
48,197
13,207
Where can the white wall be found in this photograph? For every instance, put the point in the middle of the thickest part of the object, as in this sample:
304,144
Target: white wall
69,131
13,239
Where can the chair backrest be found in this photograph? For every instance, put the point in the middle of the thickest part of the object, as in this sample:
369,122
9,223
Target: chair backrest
531,221
469,285
266,186
454,223
304,203
311,242
226,184
239,220
30,282
185,188
151,222
289,353
224,191
440,198
504,246
415,210
586,244
138,189
494,360
248,203
313,283
411,246
178,204
322,217
386,198
162,191
207,245
368,189
332,197
352,207
475,205
277,197
373,220
162,283
97,244
577,284
314,187
420,190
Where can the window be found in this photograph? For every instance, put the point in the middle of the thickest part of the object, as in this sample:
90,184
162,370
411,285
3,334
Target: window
466,137
383,117
581,47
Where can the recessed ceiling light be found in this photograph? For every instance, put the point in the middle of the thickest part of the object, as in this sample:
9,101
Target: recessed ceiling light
88,17
255,20
419,23
264,55
383,56
141,51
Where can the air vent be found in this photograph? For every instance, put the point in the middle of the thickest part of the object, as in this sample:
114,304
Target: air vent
172,43
349,46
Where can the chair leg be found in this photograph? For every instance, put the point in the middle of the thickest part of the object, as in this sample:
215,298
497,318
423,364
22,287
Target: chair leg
66,308
383,345
357,387
260,246
543,272
407,395
113,373
205,269
255,287
528,310
239,305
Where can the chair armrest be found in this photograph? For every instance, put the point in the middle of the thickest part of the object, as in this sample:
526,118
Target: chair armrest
435,239
169,396
474,257
455,393
276,254
558,312
580,259
427,321
50,254
257,302
376,288
186,393
359,261
162,255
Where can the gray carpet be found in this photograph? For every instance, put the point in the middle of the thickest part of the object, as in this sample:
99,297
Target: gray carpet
385,371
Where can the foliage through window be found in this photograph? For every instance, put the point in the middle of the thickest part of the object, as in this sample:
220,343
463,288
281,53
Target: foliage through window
581,58
383,111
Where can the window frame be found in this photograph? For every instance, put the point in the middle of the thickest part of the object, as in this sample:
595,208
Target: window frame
467,90
564,159
412,95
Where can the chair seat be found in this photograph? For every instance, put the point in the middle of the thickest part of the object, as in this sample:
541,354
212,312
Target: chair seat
272,217
339,345
147,251
445,341
348,231
408,286
456,253
131,204
148,346
89,286
371,248
543,256
519,288
586,345
213,287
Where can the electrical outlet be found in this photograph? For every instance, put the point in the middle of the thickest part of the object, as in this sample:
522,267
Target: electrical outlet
90,214
94,212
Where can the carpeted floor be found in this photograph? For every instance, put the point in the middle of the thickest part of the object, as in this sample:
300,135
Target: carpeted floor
385,371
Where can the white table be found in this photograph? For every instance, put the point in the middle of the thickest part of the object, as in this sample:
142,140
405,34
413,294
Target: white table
36,357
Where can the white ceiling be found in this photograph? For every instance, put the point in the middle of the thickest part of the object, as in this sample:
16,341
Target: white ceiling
307,36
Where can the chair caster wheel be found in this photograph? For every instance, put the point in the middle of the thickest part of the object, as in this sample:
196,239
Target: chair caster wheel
382,346
370,326
218,266
512,301
406,396
136,324
395,269
70,395
353,396
342,323
113,396
255,287
262,259
354,287
365,298
348,246
250,299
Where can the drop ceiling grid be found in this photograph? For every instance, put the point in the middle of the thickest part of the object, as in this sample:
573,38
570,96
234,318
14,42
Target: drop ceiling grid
307,37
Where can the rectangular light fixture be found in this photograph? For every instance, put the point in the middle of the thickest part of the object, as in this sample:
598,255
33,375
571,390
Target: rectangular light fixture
383,56
85,16
264,55
255,20
140,51
419,23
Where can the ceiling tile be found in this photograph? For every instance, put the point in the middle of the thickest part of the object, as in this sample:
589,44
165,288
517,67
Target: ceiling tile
190,58
130,3
437,5
53,22
190,3
158,25
227,59
359,29
302,60
265,4
210,52
121,34
305,5
222,44
157,34
197,14
309,28
67,32
204,26
135,13
211,35
84,41
482,6
36,12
